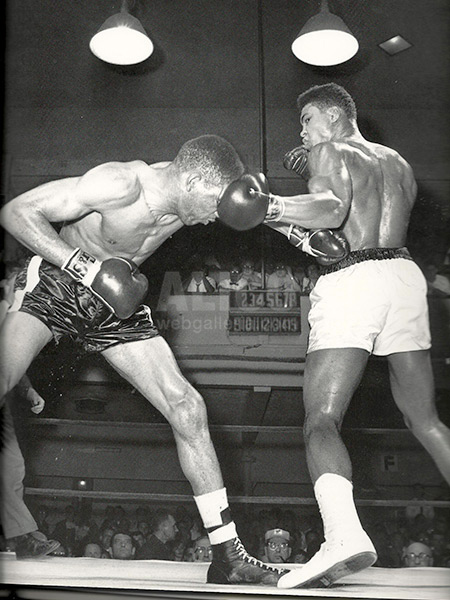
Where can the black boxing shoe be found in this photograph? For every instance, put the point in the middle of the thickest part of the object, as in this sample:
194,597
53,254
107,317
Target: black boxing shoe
34,546
231,563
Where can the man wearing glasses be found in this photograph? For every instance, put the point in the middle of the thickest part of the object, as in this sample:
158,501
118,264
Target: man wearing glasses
277,546
418,555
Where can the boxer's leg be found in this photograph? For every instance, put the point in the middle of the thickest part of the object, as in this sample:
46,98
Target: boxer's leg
412,385
331,378
150,366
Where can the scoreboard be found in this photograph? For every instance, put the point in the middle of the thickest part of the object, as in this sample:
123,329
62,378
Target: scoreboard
269,312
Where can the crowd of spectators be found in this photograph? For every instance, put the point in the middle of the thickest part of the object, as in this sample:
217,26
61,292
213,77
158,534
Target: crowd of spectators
207,276
415,536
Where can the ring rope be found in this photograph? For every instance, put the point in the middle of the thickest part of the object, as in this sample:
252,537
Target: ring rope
232,499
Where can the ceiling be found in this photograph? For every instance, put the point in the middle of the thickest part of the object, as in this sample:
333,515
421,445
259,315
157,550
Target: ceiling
47,50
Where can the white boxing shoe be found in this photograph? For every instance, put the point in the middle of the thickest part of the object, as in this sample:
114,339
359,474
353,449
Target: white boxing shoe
330,563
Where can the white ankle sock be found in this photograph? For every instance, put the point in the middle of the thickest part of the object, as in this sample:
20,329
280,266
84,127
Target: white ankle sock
334,495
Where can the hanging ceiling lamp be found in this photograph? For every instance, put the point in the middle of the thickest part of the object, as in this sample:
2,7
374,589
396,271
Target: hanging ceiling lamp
325,40
122,40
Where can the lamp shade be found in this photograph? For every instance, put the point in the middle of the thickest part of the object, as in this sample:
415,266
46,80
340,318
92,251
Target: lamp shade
325,40
121,40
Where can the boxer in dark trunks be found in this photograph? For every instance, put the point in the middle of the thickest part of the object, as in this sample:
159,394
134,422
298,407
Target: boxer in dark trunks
371,301
84,282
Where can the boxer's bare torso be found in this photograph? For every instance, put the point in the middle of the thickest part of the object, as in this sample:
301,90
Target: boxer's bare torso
379,191
116,209
365,189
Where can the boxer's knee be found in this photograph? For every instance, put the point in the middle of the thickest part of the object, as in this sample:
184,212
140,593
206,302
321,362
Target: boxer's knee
187,414
319,421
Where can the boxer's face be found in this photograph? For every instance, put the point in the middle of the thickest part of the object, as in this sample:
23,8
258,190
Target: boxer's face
200,203
316,125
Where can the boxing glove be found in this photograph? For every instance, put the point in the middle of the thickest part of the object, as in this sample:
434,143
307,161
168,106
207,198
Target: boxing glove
325,245
243,203
116,281
297,160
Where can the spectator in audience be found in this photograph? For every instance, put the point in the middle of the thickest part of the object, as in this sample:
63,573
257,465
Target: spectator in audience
417,555
108,518
93,550
249,273
188,554
105,536
199,281
41,519
144,528
120,519
122,546
197,529
393,551
313,541
282,279
418,529
141,514
64,530
298,273
440,549
19,526
179,548
277,546
83,533
202,550
269,268
138,538
312,275
184,523
235,282
164,530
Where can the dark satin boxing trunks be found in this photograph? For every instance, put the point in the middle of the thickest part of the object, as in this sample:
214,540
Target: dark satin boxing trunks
69,308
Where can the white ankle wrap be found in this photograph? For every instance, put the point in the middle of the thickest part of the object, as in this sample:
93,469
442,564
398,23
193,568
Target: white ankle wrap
223,534
210,507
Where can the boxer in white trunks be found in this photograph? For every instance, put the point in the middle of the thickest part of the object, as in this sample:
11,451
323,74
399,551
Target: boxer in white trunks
371,301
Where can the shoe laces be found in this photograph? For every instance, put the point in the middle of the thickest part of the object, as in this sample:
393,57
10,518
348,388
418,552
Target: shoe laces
245,556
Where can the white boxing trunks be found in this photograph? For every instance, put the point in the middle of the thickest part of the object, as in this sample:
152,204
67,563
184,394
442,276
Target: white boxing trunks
378,303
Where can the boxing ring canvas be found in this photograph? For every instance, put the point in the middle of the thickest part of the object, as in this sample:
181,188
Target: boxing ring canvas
62,577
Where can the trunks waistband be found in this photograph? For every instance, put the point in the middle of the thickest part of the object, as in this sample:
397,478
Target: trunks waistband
362,255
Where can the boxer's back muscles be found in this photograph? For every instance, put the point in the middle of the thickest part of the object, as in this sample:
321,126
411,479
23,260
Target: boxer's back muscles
383,194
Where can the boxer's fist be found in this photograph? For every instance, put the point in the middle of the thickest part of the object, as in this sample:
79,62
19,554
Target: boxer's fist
325,245
116,281
297,160
243,203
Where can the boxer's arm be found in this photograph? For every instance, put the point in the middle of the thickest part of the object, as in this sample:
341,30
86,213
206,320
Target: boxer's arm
330,192
29,217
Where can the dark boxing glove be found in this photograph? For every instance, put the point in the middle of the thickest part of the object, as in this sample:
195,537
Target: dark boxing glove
325,245
243,203
297,160
116,281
